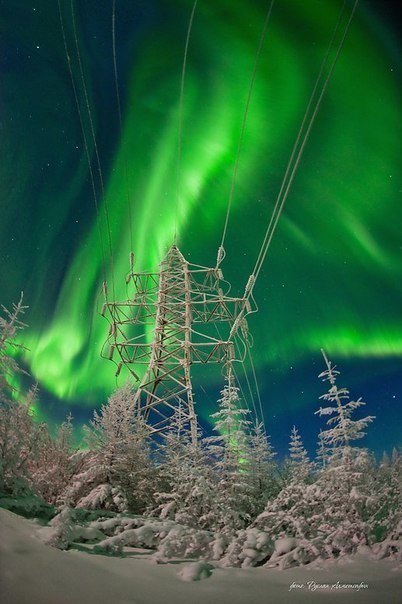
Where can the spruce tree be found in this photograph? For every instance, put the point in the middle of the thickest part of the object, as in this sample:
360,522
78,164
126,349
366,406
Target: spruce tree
300,466
229,454
323,452
343,480
262,471
342,430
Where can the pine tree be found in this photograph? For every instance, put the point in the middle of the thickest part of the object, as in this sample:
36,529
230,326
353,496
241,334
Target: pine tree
300,466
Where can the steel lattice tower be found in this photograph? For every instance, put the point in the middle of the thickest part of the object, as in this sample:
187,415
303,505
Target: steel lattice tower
170,322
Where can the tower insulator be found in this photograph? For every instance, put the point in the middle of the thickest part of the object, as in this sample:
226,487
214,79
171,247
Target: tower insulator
249,284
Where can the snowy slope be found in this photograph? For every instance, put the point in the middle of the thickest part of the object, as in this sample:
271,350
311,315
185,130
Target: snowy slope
33,573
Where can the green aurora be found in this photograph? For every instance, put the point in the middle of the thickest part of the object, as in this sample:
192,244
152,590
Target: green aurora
333,275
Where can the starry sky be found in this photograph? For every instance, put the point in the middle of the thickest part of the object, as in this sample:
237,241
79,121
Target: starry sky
332,277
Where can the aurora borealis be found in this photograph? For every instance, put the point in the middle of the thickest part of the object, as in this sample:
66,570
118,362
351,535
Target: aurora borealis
332,278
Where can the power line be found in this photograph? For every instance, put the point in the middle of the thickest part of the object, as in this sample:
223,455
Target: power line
250,390
256,387
285,187
86,146
89,111
284,190
116,82
236,376
180,124
243,126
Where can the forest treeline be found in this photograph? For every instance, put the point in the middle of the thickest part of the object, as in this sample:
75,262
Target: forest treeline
225,496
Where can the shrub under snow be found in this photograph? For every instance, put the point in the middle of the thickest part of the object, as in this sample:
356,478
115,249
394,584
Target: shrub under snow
196,571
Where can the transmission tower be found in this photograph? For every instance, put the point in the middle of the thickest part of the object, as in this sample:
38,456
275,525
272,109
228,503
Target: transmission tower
169,322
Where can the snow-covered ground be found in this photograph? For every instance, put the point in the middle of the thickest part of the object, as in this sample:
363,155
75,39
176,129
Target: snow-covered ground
33,573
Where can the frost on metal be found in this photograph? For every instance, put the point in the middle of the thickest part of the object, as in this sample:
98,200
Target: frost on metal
174,318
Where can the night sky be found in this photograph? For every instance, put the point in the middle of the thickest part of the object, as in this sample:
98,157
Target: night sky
332,278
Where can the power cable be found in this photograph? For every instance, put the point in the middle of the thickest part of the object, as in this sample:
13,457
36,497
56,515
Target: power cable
180,124
89,111
85,140
125,166
243,125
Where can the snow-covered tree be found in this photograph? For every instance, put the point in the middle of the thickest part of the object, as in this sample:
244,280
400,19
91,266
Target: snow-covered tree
21,437
20,441
323,452
10,325
55,464
173,455
261,470
62,533
296,467
342,430
229,453
343,478
294,513
384,497
300,467
330,516
117,471
327,517
187,488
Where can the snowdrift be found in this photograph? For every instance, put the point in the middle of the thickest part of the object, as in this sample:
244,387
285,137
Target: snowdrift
33,572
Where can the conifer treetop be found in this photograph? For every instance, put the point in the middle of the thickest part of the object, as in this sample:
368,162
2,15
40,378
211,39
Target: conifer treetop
342,429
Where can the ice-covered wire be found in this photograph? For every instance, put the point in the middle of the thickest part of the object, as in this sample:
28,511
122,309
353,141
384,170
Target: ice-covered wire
85,140
243,124
297,154
92,128
116,82
180,123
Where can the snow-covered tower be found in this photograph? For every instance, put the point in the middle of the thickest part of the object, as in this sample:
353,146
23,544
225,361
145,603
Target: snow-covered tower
170,322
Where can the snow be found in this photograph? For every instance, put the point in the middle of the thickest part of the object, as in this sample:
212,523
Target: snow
31,572
284,545
196,571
